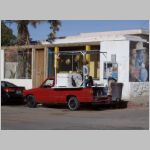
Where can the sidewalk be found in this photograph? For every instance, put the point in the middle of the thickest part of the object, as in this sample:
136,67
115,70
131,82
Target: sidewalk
138,102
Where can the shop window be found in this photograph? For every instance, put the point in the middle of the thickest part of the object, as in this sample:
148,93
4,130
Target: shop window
74,63
70,63
17,64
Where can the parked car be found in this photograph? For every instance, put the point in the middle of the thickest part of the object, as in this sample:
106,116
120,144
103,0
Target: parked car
11,93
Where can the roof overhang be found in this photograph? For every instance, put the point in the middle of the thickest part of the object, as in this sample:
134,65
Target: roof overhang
89,39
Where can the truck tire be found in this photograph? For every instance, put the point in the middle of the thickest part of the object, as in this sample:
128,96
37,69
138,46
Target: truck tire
73,103
31,101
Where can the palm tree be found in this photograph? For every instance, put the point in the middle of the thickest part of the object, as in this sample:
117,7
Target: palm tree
54,26
23,32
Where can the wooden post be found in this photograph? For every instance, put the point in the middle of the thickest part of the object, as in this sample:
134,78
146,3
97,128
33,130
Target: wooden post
33,69
56,50
45,62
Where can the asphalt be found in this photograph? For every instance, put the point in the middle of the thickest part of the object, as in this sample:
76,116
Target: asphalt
20,117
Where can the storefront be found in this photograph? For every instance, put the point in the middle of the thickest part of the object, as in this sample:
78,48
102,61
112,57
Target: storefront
127,60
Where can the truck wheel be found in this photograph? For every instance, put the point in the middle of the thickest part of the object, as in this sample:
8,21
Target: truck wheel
31,101
73,103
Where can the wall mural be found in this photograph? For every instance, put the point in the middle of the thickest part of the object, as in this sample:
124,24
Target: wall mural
139,62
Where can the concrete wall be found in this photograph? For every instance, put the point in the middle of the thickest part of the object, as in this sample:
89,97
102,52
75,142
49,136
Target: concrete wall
140,92
121,49
139,89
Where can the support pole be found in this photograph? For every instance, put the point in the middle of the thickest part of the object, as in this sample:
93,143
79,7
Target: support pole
46,62
56,50
33,74
88,48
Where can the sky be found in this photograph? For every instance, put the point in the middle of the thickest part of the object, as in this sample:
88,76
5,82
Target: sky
75,27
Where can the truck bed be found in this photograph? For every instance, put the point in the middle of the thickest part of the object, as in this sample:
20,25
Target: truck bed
64,87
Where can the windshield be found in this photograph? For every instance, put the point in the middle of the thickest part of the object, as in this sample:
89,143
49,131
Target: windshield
48,83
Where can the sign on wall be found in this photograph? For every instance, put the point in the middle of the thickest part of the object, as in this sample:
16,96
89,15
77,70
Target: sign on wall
110,70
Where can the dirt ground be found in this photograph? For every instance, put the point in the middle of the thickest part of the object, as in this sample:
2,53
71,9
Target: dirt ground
20,117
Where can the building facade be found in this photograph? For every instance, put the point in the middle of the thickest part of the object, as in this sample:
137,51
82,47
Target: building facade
127,60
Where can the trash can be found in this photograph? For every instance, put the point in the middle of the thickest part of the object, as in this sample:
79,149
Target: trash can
110,81
116,91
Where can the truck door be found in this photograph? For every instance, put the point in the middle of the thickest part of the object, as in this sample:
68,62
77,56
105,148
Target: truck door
46,92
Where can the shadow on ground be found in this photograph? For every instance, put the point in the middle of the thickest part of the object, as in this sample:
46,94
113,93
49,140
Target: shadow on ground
119,105
116,105
14,103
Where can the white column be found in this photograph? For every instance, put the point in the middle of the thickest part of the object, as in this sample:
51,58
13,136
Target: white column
121,49
2,64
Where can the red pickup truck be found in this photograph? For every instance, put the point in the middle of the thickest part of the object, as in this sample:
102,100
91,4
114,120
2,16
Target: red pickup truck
47,93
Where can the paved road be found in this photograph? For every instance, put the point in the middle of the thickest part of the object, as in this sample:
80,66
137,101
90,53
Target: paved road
42,118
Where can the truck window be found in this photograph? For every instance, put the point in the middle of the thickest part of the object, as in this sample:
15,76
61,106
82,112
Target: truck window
48,83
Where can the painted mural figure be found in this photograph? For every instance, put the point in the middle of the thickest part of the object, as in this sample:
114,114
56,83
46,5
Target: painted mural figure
143,73
139,58
139,64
